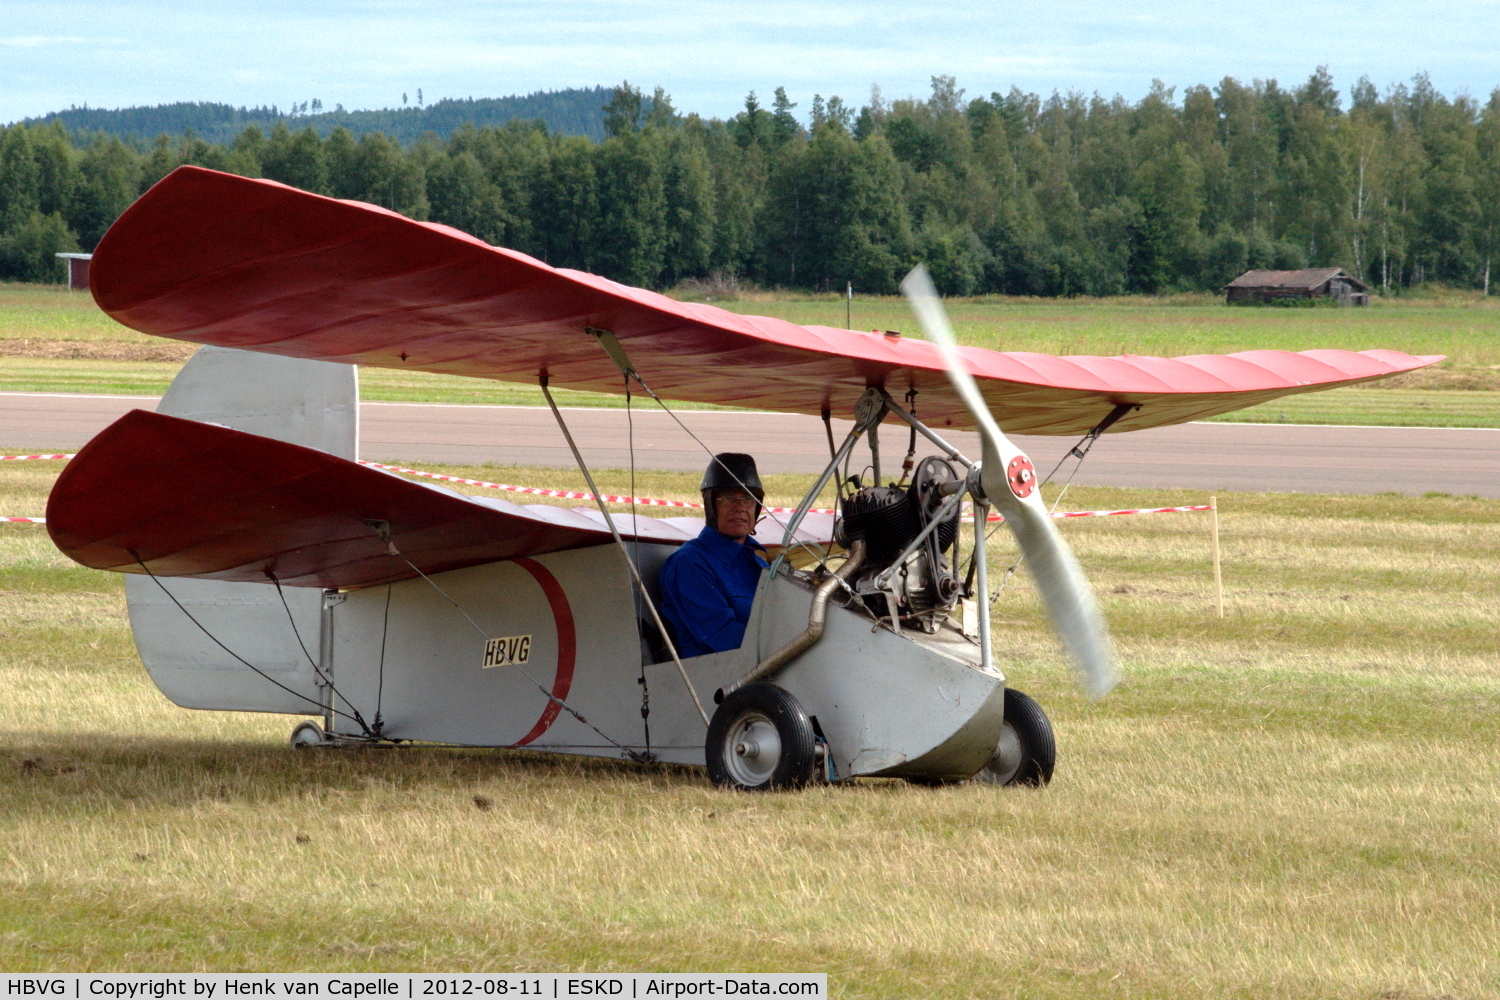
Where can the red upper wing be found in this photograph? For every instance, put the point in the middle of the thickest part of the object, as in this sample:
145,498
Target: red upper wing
218,259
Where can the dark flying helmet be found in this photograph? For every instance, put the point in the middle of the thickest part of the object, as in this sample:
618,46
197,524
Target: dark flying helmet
730,471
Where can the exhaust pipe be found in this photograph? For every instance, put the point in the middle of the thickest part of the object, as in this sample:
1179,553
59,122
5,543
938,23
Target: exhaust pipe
816,616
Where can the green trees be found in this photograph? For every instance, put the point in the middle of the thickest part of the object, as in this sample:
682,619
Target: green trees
295,159
28,249
1169,191
835,214
109,180
38,182
565,205
690,210
1487,188
20,177
460,195
1011,193
630,238
380,172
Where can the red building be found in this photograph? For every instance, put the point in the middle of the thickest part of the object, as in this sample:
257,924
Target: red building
78,269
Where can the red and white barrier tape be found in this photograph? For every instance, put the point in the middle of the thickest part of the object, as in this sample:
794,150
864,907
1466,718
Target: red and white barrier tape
640,501
22,458
565,494
1109,513
532,490
652,502
1134,510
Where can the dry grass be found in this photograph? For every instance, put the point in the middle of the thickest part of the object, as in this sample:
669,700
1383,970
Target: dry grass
1298,801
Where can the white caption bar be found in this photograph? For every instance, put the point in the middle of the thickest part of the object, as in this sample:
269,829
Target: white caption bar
409,986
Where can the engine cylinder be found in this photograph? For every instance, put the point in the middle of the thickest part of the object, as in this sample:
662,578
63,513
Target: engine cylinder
885,518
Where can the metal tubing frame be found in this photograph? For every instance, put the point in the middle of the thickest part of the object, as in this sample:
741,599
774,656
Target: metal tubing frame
802,508
982,580
832,467
981,517
329,600
924,430
816,616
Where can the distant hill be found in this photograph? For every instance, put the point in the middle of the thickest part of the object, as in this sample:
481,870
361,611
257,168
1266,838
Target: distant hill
576,111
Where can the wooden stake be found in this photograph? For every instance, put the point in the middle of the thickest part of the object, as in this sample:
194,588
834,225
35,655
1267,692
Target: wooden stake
1213,512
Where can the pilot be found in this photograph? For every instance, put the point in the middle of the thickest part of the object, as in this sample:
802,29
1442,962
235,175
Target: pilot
708,585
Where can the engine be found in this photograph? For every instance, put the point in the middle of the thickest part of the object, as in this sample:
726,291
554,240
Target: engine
888,519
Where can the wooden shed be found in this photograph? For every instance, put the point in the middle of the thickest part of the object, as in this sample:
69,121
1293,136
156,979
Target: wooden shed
78,269
1309,283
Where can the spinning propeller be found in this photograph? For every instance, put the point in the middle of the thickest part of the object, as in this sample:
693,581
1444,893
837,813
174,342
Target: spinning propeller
1009,481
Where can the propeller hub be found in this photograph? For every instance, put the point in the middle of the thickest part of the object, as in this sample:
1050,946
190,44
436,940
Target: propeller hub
1021,475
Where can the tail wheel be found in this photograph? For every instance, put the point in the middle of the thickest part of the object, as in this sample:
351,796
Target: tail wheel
308,734
761,740
1027,750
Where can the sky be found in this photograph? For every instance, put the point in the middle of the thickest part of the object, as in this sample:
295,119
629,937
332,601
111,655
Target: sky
708,54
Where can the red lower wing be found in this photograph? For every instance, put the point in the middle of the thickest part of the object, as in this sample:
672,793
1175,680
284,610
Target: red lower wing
174,497
182,498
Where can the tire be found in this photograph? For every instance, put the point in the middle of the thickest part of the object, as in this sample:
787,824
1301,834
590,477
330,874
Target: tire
1027,750
308,734
761,740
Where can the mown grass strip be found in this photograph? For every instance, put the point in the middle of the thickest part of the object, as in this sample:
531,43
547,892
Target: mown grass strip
1377,407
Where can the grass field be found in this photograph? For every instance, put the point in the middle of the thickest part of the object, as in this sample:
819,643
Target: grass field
52,340
1296,801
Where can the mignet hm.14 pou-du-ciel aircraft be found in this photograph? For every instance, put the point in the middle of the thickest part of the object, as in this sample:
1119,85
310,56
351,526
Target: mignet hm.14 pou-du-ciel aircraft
270,572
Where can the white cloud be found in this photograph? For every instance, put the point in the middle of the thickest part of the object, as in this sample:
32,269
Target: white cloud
707,53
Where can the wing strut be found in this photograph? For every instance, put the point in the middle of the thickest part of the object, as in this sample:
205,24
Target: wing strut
1102,426
609,520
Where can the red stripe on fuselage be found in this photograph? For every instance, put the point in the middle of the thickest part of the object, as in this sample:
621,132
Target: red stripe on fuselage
567,645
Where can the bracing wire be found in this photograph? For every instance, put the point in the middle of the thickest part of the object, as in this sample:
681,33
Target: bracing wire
821,556
293,623
1079,451
355,718
810,550
327,681
385,628
909,461
635,525
833,451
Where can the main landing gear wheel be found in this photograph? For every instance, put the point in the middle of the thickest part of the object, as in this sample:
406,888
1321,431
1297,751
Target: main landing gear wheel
1027,751
761,740
308,734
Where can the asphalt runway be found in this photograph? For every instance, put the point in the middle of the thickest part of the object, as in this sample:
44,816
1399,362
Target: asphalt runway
1207,456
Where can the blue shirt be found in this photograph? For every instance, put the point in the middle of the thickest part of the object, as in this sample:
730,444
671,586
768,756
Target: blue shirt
707,588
